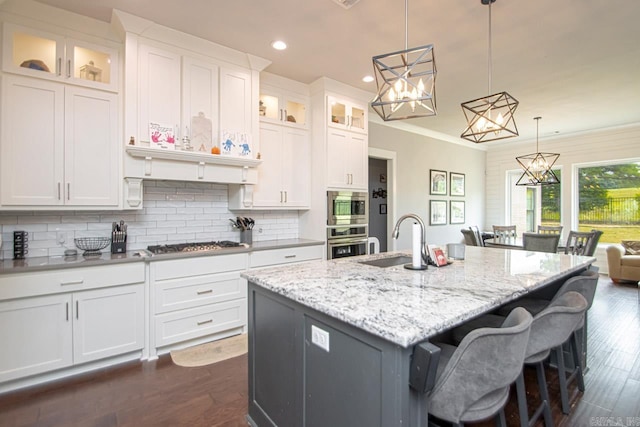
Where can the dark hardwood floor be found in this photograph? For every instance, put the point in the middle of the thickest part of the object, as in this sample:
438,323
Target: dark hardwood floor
161,394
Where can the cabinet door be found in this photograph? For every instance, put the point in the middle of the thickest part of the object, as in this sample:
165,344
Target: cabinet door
235,100
91,65
200,99
357,158
32,142
346,160
296,168
268,189
35,335
107,322
347,115
283,108
159,83
92,174
32,52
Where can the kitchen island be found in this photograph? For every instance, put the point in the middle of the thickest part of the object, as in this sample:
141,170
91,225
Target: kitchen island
331,341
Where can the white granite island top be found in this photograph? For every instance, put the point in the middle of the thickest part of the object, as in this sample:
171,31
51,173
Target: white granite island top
405,306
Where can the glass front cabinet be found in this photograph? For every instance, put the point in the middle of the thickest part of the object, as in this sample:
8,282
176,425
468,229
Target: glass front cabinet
347,115
280,107
45,55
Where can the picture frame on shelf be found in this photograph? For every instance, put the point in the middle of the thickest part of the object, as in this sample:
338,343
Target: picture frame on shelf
456,184
456,212
437,212
383,209
437,182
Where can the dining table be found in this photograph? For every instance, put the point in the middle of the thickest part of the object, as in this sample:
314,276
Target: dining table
513,243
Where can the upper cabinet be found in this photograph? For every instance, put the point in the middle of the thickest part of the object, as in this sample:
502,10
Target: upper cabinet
45,55
347,115
281,107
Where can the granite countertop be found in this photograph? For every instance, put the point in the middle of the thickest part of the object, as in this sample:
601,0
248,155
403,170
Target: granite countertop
405,306
58,262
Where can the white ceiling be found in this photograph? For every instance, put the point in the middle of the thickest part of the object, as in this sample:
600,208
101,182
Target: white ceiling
576,63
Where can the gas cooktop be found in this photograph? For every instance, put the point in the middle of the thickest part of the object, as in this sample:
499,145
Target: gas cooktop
194,247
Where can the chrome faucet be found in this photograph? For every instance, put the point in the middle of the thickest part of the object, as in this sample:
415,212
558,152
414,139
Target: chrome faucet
423,236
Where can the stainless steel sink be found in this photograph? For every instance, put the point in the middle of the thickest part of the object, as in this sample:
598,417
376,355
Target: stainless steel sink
388,262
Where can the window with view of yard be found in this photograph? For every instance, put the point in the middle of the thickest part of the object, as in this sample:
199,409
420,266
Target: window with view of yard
530,206
609,200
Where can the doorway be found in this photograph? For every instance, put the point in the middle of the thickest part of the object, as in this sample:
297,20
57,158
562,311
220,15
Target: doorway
381,196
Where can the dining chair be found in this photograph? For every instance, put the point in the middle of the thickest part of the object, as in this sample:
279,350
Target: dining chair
469,238
551,328
502,232
540,242
550,229
590,250
473,379
578,242
477,234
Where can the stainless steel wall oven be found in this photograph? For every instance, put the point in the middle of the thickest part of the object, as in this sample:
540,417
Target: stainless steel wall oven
347,223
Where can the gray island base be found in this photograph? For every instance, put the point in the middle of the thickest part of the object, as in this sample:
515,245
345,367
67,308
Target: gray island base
331,342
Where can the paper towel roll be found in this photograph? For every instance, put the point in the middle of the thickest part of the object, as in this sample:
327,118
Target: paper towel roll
416,259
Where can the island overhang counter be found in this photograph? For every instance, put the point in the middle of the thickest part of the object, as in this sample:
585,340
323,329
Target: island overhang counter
330,342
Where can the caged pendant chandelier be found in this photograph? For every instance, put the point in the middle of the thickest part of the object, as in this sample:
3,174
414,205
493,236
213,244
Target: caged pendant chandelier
537,166
490,118
406,81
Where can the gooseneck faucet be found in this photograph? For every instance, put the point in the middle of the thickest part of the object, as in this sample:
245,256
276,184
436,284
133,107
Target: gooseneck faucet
423,235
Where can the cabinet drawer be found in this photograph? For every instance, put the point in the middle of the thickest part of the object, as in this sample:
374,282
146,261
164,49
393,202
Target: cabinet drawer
20,285
285,256
196,291
197,322
173,269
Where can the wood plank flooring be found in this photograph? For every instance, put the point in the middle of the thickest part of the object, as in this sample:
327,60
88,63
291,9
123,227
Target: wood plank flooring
161,394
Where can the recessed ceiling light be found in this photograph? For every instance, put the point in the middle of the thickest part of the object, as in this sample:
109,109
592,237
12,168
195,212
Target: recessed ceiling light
279,45
367,79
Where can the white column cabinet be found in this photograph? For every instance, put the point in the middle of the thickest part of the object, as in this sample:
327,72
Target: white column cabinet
284,175
346,160
36,335
65,136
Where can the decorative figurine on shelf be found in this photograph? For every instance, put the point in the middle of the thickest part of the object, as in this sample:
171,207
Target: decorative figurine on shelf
91,72
186,142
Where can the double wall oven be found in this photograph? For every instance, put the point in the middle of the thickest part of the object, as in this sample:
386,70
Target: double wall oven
347,223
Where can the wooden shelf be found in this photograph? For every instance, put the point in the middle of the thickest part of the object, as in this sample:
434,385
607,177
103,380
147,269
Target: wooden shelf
191,156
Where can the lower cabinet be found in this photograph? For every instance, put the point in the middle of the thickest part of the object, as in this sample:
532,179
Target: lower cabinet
44,333
197,299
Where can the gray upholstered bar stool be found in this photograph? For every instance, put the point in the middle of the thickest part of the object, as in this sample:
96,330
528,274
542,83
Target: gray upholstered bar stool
473,379
550,329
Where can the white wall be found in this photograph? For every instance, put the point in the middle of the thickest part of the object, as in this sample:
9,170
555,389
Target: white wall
592,147
173,212
416,154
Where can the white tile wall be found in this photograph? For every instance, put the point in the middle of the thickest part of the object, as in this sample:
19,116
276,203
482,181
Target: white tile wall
173,212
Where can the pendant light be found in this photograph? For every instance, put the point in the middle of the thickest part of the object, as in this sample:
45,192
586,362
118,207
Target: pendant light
490,118
405,80
537,166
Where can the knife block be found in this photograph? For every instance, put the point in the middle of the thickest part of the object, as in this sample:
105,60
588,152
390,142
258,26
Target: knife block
119,247
246,236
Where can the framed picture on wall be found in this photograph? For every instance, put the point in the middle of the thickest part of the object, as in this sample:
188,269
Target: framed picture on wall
438,182
437,212
456,184
456,212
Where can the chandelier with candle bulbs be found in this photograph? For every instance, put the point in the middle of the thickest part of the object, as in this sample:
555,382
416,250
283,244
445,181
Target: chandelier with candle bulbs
537,166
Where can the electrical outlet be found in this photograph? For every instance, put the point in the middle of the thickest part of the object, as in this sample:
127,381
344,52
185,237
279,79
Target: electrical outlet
61,237
320,338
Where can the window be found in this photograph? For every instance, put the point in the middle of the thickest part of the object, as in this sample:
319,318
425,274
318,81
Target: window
609,200
529,207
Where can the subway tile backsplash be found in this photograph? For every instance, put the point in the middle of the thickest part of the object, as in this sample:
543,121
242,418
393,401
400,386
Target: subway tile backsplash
173,212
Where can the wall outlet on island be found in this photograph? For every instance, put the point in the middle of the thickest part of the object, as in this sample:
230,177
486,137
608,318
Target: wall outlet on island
320,338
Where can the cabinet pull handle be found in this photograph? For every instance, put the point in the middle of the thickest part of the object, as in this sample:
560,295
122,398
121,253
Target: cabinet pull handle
68,191
280,112
280,196
289,256
284,119
59,70
77,309
72,282
58,191
204,322
207,291
68,68
67,304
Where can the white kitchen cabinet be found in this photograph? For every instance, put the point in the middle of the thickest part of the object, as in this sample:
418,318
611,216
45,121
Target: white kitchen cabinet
271,257
284,176
281,107
50,56
159,81
66,137
58,319
36,336
235,100
347,158
347,115
197,299
200,98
